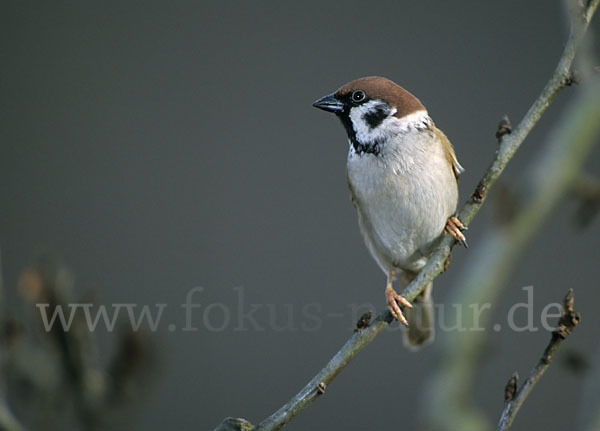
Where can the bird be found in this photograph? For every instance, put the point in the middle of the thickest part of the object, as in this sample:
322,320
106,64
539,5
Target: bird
402,173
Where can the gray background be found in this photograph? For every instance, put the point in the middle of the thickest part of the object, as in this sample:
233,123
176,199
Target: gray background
159,146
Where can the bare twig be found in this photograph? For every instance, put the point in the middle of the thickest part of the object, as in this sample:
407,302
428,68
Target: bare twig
447,401
565,326
56,287
508,146
63,375
310,392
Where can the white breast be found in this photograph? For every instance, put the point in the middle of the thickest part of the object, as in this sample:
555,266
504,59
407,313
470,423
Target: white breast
403,196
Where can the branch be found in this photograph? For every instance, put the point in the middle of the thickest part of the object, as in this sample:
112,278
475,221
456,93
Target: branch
509,145
56,288
316,387
447,400
436,264
58,365
515,398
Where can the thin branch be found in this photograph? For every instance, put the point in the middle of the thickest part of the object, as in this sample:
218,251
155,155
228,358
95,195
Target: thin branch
316,387
56,289
447,399
509,145
63,375
566,324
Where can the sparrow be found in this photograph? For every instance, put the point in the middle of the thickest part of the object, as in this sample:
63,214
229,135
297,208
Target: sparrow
402,173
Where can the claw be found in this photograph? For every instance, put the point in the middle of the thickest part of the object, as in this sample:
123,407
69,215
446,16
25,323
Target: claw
393,298
454,227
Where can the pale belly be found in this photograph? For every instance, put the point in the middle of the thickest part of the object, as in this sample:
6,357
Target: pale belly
401,214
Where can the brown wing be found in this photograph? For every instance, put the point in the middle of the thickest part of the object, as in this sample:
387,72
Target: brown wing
449,151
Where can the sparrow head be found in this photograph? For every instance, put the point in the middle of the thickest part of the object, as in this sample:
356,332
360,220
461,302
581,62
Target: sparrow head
373,110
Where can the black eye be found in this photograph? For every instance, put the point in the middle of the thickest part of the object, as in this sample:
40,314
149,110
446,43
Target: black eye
358,96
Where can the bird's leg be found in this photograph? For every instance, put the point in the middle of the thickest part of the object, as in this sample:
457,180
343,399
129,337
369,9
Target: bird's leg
455,227
392,298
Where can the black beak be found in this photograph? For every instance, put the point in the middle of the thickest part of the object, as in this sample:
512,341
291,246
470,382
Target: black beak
329,103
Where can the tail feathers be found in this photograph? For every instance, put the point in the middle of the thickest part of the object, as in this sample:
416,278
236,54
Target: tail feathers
421,328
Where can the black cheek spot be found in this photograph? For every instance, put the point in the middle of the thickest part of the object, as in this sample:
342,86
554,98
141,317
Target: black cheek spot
375,117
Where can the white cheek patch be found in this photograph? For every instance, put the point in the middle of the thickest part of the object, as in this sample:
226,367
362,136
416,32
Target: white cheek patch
363,131
390,125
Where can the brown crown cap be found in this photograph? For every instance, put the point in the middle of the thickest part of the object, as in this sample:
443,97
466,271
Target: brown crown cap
377,87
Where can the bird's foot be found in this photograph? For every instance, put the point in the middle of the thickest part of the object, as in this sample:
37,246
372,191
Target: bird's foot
455,228
393,298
